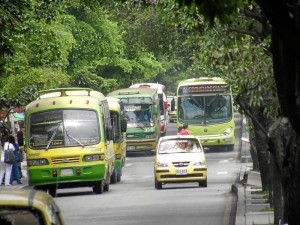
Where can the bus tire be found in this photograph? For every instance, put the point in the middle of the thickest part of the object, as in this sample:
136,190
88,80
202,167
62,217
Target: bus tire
230,148
52,190
98,188
106,187
113,177
119,174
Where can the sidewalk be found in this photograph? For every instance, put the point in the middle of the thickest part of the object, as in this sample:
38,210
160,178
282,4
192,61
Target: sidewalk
24,179
251,204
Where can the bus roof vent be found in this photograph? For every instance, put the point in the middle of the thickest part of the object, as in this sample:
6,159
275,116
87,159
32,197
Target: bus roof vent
60,92
128,92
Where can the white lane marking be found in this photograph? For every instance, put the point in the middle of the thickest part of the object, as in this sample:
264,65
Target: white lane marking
222,173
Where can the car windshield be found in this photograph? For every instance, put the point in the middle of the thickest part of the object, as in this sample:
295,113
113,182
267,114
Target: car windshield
60,128
179,146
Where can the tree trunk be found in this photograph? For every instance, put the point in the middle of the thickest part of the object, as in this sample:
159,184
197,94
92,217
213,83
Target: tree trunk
278,201
261,145
291,178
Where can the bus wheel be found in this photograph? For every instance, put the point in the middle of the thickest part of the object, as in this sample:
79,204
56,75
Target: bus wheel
119,174
158,185
52,190
230,148
113,177
106,187
98,188
41,188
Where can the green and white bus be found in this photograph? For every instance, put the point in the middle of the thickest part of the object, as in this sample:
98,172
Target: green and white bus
69,140
119,126
206,105
142,114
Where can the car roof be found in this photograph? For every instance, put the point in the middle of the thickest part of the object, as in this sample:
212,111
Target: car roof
26,198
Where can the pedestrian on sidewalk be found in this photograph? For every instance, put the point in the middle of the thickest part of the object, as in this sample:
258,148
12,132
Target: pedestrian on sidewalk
6,168
15,175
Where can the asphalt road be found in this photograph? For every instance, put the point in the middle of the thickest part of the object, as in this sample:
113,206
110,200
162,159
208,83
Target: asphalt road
135,200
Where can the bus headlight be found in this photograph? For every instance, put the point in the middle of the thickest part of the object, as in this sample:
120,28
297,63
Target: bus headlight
37,162
150,136
91,158
227,131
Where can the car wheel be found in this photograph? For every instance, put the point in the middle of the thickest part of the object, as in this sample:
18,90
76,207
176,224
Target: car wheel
203,183
98,188
113,177
158,185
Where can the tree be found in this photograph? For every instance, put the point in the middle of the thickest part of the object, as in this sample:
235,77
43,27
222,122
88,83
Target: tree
283,17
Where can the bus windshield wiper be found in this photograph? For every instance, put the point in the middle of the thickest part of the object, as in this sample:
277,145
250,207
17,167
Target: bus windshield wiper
74,139
53,135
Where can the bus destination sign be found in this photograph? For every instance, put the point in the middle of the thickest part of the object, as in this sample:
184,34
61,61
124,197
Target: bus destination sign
200,89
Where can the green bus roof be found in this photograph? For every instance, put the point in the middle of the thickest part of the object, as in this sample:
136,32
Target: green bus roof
72,91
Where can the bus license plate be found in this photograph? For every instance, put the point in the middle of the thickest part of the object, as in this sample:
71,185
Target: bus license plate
181,172
66,172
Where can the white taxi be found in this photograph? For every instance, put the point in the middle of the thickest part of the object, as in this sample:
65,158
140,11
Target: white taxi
179,159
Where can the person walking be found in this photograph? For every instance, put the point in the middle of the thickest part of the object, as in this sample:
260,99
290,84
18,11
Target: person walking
15,173
6,168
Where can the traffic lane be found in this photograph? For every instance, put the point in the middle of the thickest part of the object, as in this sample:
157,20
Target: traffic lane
135,200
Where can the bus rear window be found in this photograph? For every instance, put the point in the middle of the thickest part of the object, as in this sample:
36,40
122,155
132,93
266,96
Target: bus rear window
63,128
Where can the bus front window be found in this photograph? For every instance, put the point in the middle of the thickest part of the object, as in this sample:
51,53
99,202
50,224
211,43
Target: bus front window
139,116
60,128
204,109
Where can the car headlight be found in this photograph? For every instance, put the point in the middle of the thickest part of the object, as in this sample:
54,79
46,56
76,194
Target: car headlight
37,162
227,131
199,163
90,158
162,164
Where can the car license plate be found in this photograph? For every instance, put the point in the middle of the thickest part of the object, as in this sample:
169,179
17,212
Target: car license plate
130,148
66,172
181,172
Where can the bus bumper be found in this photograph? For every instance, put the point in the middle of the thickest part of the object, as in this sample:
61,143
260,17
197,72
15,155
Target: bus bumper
217,140
83,175
141,145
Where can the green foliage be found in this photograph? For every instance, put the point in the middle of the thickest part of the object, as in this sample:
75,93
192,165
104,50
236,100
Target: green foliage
46,77
224,10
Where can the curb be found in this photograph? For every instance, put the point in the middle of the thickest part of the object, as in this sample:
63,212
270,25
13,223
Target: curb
238,189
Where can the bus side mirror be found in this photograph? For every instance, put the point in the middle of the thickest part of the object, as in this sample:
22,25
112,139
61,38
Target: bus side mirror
123,125
173,105
155,110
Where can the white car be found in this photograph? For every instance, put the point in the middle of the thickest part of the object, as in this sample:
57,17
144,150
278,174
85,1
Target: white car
180,159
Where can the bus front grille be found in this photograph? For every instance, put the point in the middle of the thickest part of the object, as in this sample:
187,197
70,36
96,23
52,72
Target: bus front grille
65,160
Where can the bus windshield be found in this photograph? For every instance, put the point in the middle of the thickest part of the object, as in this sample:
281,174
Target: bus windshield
63,128
211,109
139,116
